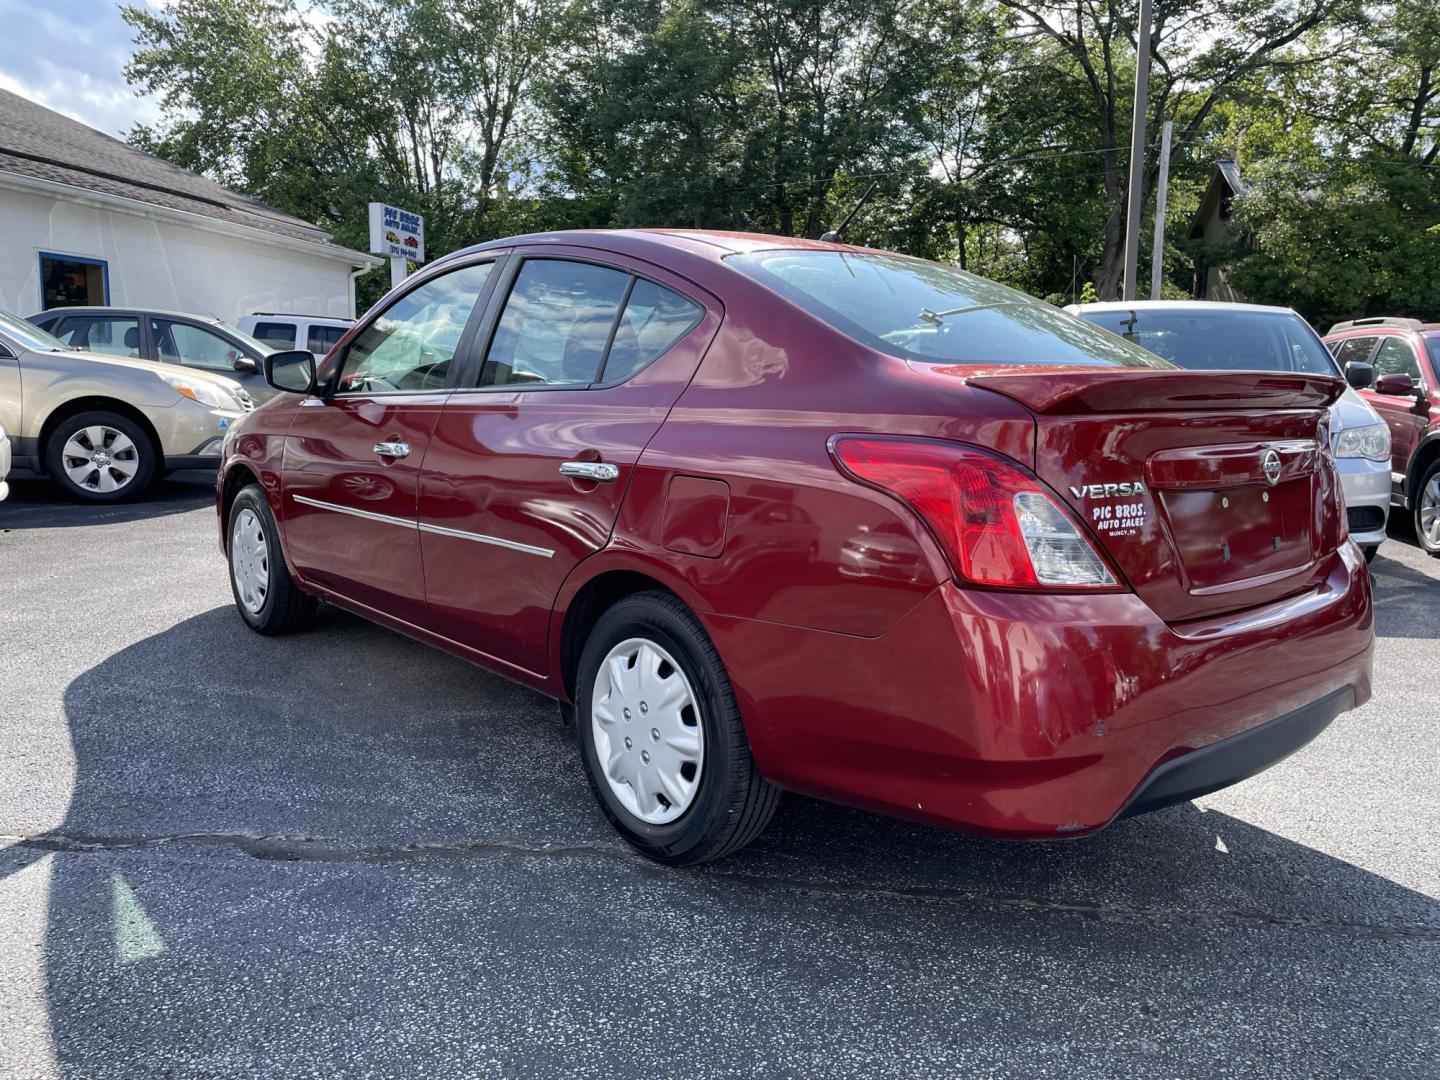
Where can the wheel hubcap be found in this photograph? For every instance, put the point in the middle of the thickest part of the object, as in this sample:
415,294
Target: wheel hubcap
250,561
100,458
1429,515
646,724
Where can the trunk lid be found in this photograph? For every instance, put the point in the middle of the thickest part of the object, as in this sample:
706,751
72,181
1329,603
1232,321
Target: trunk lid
1210,491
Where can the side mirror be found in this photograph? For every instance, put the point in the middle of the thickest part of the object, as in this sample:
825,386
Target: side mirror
1359,374
292,371
1395,383
245,366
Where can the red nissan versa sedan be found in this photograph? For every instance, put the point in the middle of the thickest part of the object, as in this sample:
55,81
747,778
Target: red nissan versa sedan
771,513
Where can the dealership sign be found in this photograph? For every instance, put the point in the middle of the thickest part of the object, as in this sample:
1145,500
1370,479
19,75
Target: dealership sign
396,233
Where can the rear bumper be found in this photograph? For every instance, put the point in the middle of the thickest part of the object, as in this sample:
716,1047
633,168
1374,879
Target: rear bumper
1237,758
1032,716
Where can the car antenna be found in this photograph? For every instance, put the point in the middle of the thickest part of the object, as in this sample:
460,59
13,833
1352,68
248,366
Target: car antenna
833,236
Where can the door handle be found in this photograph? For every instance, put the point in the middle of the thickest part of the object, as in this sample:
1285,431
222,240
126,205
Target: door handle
393,449
601,471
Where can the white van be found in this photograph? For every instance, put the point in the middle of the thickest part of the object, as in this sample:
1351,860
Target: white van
318,333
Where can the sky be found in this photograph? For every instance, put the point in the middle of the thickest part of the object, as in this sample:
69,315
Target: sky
69,55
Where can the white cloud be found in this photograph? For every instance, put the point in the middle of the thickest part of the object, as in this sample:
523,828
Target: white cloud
70,55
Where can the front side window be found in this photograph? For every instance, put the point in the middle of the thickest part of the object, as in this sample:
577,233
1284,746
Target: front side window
412,344
1225,339
556,324
181,343
1397,357
924,311
1353,349
277,335
102,334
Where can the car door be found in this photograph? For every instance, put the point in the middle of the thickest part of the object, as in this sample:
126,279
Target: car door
194,346
1405,415
530,461
352,462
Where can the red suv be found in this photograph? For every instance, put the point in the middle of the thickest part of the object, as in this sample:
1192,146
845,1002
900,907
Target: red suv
770,513
1403,358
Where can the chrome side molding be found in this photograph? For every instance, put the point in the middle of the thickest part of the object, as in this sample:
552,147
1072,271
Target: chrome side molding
421,526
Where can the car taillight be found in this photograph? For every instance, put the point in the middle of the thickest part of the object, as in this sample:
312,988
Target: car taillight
997,523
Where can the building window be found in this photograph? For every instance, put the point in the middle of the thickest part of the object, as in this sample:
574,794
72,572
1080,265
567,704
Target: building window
72,281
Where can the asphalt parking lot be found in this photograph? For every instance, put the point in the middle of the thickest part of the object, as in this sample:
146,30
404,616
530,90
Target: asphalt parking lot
345,854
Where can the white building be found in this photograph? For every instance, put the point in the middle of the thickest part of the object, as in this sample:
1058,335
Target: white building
87,219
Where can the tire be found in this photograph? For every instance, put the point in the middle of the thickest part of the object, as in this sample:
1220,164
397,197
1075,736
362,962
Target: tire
724,803
1370,550
265,594
1427,511
101,457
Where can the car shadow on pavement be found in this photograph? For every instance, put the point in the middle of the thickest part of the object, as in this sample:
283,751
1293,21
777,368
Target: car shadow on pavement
1406,599
36,504
280,852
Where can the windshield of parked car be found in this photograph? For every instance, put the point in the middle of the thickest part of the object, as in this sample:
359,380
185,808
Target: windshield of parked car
28,335
924,311
249,342
1223,339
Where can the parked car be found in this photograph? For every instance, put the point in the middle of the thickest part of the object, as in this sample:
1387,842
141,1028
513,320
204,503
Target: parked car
317,333
4,463
1213,336
780,514
1397,362
168,337
102,428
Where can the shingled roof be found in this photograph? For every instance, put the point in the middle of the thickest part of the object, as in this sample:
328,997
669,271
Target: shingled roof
40,143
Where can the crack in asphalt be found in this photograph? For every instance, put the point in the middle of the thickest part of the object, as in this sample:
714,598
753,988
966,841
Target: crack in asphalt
318,849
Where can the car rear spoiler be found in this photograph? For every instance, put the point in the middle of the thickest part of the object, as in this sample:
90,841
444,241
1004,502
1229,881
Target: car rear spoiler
1126,390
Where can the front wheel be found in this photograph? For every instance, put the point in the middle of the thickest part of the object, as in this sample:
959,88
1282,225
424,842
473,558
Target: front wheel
661,736
1427,511
101,457
265,594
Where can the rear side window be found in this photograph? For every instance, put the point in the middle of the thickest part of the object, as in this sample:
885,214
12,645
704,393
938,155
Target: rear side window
102,334
925,311
277,335
555,325
323,338
654,319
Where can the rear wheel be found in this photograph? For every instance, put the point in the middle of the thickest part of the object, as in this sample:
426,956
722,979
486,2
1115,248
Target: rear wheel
101,457
265,594
661,736
1427,511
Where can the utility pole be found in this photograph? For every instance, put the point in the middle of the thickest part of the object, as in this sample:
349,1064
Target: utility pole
1157,256
1137,150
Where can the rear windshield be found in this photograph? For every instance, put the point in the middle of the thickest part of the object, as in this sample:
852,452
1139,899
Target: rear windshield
925,311
1226,339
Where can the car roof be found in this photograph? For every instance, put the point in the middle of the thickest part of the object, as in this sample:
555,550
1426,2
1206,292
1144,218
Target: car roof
293,315
98,309
704,242
1177,305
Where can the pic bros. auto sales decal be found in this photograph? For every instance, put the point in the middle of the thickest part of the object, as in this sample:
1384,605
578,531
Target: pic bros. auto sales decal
1111,516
